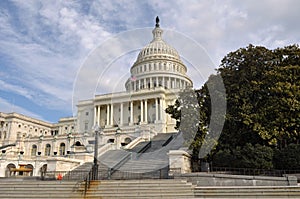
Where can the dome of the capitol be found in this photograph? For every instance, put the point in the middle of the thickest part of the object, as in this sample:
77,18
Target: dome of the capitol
157,48
158,65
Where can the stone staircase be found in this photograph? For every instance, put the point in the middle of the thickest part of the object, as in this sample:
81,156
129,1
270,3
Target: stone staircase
155,157
269,192
148,157
141,189
79,173
28,189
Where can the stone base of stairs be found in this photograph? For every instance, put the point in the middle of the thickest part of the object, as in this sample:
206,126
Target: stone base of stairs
140,189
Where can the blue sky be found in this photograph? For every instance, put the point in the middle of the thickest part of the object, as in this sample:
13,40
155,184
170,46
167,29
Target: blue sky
44,43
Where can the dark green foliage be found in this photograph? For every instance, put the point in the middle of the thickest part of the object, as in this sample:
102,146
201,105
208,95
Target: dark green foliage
263,108
248,156
287,158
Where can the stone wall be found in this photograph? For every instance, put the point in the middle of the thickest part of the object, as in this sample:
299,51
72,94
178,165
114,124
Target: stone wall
210,179
179,162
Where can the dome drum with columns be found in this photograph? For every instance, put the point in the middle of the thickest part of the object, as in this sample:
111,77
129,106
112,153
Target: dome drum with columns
158,65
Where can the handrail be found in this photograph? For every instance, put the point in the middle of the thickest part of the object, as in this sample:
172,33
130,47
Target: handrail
145,148
104,148
168,141
251,171
8,145
119,164
134,143
88,180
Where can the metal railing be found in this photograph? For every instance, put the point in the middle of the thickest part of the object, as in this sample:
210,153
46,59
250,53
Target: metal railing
253,172
119,164
144,149
135,174
88,179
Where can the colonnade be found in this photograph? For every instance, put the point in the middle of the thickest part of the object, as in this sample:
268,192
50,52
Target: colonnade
136,107
152,82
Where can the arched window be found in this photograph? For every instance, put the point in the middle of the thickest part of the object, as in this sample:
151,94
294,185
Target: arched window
47,150
33,150
127,140
30,166
62,149
8,168
43,169
78,143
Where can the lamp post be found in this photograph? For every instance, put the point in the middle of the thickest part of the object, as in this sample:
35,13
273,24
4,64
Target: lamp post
118,133
97,129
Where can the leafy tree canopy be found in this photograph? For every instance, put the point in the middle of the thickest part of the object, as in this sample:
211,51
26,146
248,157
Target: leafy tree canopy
262,100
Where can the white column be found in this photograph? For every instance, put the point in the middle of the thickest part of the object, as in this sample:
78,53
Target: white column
175,83
162,109
145,83
131,112
95,115
134,85
163,82
146,112
139,87
107,114
169,83
142,111
121,113
112,114
156,81
99,119
150,81
156,109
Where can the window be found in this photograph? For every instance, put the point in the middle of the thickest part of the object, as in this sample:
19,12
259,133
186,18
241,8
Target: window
86,113
62,149
66,128
47,150
86,126
33,150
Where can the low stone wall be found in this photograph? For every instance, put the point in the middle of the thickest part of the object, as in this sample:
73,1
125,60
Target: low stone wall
211,179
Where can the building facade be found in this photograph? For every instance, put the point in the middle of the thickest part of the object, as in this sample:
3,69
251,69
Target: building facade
138,113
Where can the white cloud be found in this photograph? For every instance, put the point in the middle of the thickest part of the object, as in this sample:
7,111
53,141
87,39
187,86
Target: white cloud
44,43
9,107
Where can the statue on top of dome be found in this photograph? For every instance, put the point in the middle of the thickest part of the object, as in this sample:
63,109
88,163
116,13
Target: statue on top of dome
157,22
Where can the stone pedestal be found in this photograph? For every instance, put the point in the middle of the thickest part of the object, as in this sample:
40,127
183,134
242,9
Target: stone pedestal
179,162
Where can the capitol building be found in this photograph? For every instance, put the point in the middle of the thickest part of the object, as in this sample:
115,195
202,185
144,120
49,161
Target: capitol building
126,118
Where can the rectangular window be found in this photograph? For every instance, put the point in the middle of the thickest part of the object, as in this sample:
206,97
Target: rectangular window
86,113
86,126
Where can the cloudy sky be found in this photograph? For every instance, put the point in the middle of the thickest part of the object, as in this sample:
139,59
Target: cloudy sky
45,44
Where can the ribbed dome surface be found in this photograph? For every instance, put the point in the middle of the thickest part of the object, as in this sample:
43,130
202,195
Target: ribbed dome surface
157,48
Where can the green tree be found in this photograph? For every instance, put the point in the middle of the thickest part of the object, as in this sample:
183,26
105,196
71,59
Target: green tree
263,102
287,158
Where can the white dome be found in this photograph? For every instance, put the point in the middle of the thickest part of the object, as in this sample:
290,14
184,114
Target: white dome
157,49
158,65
